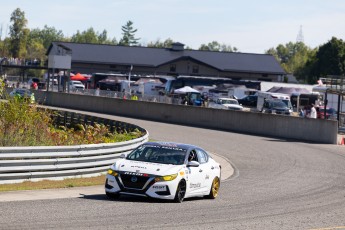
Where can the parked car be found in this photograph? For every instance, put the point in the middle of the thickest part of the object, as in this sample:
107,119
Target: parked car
276,107
23,94
250,100
225,103
330,113
164,170
76,86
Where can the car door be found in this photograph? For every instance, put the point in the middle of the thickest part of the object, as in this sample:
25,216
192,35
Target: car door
196,176
205,167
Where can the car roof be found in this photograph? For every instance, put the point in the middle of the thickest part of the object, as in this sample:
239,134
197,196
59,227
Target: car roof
172,144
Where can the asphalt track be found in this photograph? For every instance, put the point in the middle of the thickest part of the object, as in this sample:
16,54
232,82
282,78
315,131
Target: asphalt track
276,184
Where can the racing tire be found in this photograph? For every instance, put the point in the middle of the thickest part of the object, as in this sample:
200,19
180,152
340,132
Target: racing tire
214,188
180,191
112,196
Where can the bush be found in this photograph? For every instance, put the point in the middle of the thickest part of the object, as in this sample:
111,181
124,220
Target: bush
24,124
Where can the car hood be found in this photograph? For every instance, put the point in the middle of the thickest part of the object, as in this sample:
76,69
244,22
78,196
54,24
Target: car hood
233,106
146,167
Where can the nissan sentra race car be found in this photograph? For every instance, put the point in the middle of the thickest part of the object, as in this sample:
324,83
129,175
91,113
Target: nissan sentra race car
164,170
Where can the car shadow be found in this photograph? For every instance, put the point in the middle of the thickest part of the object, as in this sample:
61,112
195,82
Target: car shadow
128,198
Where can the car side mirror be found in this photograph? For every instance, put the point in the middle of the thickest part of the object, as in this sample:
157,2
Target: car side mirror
193,164
123,155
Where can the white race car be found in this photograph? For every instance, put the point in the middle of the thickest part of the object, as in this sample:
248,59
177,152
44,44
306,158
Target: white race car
164,170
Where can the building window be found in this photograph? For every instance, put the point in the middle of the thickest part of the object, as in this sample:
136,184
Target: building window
113,66
173,68
195,69
264,75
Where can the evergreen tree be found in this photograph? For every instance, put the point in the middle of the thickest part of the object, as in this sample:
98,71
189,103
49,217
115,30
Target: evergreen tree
128,33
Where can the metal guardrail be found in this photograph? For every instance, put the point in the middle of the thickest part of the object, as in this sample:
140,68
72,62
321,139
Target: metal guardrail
18,164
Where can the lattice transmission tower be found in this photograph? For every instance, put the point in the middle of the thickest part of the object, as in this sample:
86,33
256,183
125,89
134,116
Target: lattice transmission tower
300,37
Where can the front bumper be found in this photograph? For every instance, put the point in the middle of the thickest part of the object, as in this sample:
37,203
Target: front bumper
141,187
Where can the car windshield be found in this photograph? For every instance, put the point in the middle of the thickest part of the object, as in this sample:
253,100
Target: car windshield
278,104
159,154
229,102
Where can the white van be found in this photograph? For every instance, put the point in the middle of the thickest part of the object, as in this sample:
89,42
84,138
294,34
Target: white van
262,96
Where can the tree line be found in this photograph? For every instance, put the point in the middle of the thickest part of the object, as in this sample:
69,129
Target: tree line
305,63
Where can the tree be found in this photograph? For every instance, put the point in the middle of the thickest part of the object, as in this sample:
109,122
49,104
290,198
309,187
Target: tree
216,46
292,57
158,44
331,58
128,32
87,36
90,36
46,36
18,34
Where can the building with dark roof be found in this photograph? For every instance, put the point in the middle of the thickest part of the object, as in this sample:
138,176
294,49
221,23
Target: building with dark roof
92,58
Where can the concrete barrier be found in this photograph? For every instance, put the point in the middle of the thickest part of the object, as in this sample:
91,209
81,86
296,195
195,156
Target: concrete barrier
311,130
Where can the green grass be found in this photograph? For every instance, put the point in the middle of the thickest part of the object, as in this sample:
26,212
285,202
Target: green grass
54,184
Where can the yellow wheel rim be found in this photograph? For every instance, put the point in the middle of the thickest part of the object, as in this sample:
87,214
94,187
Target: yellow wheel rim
215,187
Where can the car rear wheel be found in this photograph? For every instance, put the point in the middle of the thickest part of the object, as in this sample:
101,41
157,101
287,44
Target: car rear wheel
180,192
112,196
214,188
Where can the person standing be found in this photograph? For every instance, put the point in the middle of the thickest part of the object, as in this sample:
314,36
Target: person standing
97,92
313,113
301,113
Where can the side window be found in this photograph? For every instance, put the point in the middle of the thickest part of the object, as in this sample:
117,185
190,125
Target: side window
193,156
202,156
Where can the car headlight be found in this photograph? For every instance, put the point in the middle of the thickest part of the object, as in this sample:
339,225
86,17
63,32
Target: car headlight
166,178
112,172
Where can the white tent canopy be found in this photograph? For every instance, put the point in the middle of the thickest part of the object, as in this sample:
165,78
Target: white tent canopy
186,89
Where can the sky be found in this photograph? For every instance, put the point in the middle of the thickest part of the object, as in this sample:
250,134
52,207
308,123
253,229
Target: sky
250,26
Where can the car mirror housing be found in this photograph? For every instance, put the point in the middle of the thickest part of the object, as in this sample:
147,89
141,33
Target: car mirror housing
193,164
123,155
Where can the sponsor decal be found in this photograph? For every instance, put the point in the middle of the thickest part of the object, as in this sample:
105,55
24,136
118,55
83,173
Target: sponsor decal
159,187
134,173
140,167
197,185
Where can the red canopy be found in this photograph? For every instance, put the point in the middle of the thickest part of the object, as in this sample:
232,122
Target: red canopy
79,77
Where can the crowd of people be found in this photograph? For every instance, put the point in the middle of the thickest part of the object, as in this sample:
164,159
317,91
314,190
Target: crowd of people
22,61
309,112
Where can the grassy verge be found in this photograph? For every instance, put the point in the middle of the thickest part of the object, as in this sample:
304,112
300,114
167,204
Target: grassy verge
54,184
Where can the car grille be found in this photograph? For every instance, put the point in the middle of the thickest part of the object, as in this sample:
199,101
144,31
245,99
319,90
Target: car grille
129,182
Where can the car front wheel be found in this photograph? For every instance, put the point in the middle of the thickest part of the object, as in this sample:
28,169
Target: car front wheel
180,192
